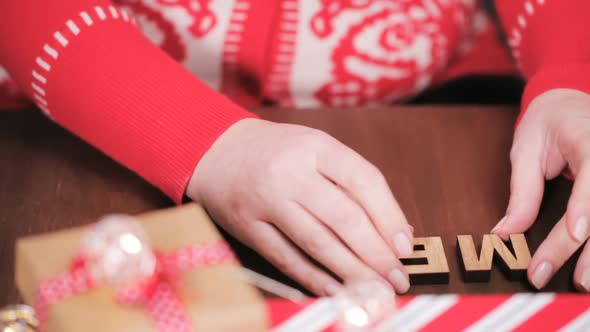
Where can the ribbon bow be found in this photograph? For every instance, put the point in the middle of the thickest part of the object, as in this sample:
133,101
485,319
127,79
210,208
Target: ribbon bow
157,294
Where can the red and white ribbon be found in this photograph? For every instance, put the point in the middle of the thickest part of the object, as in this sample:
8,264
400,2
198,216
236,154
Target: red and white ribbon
157,294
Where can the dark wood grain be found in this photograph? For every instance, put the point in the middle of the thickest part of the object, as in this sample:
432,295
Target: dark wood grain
447,166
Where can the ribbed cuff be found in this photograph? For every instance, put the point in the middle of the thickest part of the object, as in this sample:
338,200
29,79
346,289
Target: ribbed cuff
126,97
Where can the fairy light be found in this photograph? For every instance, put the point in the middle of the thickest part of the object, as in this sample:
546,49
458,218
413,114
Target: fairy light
117,250
356,317
130,244
363,304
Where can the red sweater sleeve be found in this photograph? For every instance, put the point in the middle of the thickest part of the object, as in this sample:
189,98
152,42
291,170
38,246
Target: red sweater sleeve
549,40
91,70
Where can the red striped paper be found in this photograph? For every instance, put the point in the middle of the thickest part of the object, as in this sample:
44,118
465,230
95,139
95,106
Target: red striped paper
517,312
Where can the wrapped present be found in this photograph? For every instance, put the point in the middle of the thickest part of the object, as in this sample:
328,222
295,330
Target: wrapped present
196,284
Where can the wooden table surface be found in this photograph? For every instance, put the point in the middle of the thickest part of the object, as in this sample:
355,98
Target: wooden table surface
447,166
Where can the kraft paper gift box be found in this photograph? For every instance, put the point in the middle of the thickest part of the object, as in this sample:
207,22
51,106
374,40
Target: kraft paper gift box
216,298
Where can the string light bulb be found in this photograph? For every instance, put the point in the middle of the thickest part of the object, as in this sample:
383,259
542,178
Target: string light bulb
117,251
363,304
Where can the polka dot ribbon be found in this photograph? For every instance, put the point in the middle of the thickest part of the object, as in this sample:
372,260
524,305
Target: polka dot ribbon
158,294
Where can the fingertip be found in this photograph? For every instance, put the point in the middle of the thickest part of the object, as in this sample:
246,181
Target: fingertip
581,287
498,228
331,289
505,236
541,273
515,221
532,283
578,226
403,244
582,280
321,284
582,271
526,194
399,280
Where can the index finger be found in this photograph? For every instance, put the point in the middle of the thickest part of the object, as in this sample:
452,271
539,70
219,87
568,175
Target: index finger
365,184
578,212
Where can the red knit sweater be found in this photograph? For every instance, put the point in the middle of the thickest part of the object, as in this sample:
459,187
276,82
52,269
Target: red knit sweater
89,66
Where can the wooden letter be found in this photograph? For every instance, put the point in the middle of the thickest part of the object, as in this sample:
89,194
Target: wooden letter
428,263
493,248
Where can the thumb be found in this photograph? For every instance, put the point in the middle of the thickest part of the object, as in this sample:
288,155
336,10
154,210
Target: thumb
526,186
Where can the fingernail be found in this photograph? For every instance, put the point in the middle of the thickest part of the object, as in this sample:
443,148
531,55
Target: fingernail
585,280
402,244
581,229
541,275
331,289
499,225
399,281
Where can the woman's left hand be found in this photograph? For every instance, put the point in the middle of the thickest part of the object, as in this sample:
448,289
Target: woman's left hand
554,133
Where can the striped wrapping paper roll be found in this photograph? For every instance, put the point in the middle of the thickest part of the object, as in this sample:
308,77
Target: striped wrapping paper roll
518,312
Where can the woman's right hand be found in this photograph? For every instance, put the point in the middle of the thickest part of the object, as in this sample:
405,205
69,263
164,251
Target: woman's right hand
284,189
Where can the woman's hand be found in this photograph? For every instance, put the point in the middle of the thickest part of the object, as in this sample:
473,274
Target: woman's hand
554,132
284,189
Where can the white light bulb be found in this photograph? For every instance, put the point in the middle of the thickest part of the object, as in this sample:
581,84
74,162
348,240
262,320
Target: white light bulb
130,244
363,304
117,251
356,316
